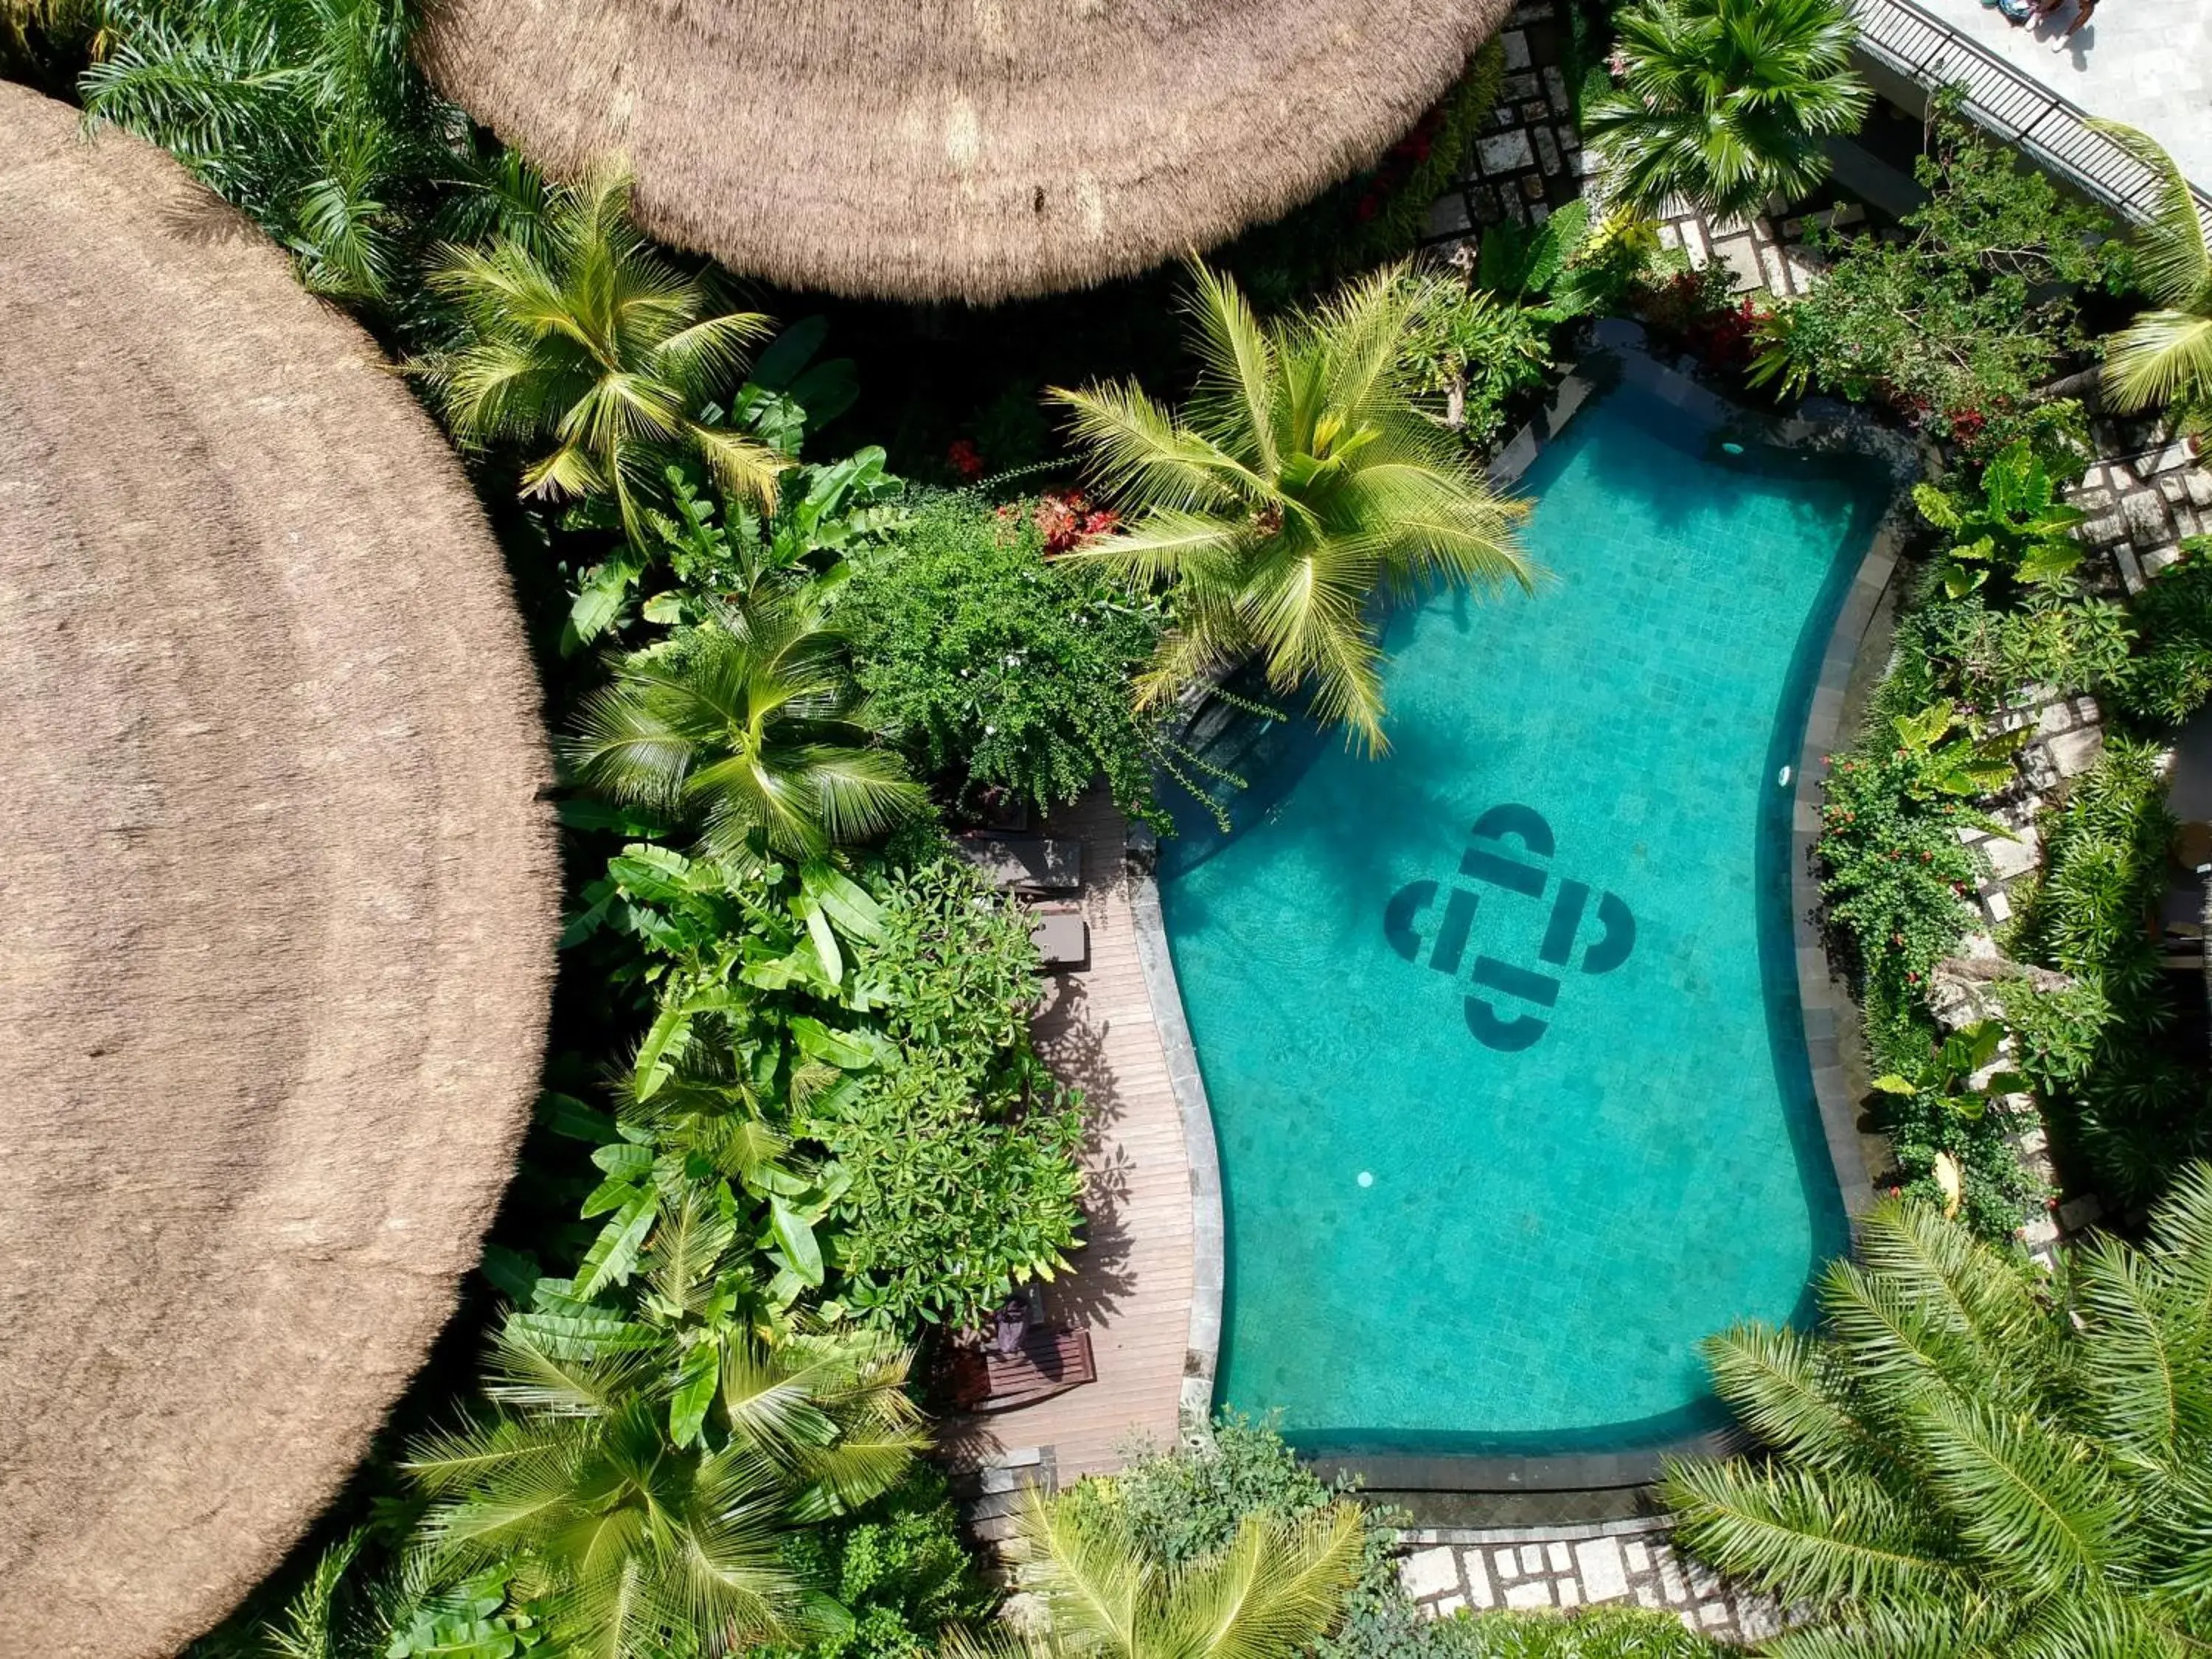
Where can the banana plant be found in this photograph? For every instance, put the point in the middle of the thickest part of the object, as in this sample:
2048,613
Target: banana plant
1967,765
2016,522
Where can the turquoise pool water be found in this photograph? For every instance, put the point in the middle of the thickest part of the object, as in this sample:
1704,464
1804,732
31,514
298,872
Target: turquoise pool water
1501,1031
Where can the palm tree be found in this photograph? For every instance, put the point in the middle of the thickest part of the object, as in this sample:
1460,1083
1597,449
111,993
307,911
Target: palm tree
635,1548
752,722
1279,1586
1726,101
1299,481
2165,356
309,115
581,336
1968,1461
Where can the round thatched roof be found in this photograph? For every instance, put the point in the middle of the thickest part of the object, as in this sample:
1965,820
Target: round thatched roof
974,149
279,896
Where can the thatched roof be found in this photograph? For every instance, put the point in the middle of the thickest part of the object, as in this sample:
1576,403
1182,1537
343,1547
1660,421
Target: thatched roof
975,149
279,894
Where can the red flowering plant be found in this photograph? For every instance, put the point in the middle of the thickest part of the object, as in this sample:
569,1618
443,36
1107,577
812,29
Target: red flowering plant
1066,518
964,458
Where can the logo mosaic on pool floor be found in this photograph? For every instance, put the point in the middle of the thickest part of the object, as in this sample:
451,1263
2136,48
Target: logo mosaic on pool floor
1507,851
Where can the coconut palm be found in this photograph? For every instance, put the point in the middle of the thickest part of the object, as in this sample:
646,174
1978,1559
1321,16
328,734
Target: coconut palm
1726,101
582,337
1299,481
1278,1587
2165,356
753,724
636,1546
1967,1461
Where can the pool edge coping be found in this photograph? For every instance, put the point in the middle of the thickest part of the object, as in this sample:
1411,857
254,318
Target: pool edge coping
1209,1239
1846,428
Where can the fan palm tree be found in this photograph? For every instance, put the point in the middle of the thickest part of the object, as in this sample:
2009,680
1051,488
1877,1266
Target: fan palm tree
635,1548
581,336
751,722
2165,356
1299,481
1726,101
1279,1586
1968,1462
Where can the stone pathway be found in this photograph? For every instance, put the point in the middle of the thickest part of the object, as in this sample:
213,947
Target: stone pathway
2143,497
1631,1563
1530,161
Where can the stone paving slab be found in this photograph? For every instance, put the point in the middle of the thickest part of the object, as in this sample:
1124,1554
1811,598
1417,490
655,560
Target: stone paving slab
1631,1563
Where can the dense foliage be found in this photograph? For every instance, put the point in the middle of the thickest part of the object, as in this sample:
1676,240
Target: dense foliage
1725,102
1965,1459
1299,483
1958,323
1174,1508
987,656
311,116
878,1035
899,1568
2120,1095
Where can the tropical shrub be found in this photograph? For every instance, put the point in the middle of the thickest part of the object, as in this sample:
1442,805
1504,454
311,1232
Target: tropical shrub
1965,1460
1958,324
2164,355
1299,483
898,1568
2170,676
1726,101
2133,1106
2010,519
311,116
1181,1506
751,725
852,1062
1478,345
1895,875
983,654
1951,1136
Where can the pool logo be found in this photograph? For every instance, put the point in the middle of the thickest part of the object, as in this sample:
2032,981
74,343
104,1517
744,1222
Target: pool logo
1494,861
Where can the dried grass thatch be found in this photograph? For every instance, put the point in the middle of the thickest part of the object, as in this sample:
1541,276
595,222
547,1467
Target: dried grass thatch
972,150
279,894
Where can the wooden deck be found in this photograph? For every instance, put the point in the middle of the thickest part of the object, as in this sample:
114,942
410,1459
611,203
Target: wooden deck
1130,1287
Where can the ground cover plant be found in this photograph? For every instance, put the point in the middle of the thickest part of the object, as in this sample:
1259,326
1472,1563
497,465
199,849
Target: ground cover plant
1966,1459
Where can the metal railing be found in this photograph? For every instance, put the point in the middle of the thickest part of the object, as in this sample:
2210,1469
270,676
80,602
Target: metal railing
2052,132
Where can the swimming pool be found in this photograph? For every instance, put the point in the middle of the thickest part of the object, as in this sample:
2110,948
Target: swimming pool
1501,1032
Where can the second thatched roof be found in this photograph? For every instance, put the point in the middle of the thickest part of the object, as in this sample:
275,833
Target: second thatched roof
279,894
969,149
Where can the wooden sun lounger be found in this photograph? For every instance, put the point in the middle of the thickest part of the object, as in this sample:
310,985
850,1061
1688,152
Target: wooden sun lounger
1061,936
1025,862
1048,1362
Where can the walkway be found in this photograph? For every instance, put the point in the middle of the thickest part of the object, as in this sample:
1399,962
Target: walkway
2148,63
1130,1287
1631,1563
